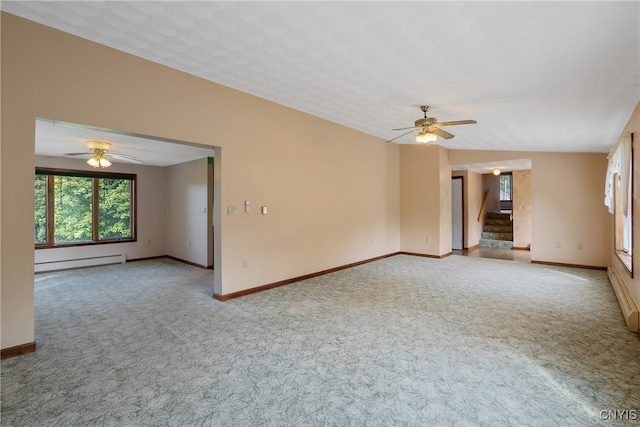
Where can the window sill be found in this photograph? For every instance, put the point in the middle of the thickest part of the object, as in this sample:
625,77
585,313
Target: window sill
626,260
70,245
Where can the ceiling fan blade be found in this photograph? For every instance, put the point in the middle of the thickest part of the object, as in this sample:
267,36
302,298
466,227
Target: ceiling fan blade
123,157
456,122
412,127
78,154
441,133
406,133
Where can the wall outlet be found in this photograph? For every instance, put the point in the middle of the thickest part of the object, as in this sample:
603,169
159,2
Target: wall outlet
232,210
579,246
558,245
244,263
428,239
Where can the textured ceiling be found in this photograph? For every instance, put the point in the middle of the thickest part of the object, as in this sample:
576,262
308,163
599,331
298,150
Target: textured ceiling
56,139
537,76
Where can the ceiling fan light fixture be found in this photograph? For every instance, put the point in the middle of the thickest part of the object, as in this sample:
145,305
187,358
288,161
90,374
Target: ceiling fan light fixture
93,162
99,155
425,137
496,171
98,159
104,163
430,128
100,148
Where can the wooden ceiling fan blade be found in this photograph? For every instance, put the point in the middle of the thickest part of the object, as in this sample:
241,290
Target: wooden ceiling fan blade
406,133
441,133
456,122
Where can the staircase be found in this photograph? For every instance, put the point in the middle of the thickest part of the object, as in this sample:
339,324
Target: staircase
498,231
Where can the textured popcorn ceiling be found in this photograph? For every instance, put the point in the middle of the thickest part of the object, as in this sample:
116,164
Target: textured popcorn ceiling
540,76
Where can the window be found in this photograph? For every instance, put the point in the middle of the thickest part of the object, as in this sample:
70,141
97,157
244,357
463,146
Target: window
114,208
618,198
622,224
72,209
506,191
79,208
40,204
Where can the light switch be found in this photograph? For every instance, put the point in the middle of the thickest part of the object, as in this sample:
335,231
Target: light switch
247,205
264,210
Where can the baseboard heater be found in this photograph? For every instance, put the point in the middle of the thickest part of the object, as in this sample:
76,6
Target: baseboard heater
628,307
80,262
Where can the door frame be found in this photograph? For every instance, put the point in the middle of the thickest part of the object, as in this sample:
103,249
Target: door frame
461,209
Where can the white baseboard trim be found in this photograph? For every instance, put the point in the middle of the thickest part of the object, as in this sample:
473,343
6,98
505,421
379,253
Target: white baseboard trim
79,262
628,307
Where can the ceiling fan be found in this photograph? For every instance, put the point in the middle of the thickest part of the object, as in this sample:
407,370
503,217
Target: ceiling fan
99,154
430,128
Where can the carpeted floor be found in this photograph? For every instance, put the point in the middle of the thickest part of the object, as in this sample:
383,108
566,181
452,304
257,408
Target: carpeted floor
403,341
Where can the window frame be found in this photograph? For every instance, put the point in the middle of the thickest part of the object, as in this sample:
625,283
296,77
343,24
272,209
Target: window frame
50,173
618,217
510,175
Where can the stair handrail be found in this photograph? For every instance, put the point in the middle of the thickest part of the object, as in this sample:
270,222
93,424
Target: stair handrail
484,202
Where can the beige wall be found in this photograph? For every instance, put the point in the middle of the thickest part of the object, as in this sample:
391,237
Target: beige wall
188,220
521,208
491,182
332,192
632,284
425,200
444,188
473,199
566,204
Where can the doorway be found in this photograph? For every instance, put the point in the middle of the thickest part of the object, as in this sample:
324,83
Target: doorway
171,221
457,213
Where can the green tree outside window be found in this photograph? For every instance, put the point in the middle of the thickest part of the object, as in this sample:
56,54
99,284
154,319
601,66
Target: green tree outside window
115,208
73,210
40,209
85,208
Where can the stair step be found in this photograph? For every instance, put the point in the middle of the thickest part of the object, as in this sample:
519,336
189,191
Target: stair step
498,215
498,221
501,244
497,236
498,228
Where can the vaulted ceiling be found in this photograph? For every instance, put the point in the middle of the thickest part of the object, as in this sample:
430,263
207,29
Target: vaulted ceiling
536,76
